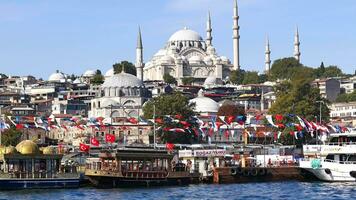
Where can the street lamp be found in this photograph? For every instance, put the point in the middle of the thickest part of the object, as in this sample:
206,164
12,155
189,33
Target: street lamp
320,102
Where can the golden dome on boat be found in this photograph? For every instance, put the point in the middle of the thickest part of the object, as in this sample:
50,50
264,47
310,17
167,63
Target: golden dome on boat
27,147
2,149
48,150
10,150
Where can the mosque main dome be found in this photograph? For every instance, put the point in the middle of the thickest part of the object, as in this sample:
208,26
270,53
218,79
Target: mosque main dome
56,77
122,80
27,147
185,35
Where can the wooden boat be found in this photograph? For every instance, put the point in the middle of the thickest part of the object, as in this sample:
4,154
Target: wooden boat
27,167
136,167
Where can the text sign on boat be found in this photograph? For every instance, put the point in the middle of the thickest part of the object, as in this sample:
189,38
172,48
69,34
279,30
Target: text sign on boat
210,153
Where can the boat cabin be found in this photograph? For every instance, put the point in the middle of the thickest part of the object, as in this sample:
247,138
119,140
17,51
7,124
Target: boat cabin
28,161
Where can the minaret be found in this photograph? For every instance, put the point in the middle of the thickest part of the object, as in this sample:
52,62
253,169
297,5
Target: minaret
267,57
209,37
139,56
236,38
296,45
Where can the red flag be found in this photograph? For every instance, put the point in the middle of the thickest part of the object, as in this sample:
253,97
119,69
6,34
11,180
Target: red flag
279,117
196,131
65,127
185,124
169,146
94,142
211,132
218,124
133,120
178,116
227,133
298,127
281,126
159,120
19,126
110,138
84,147
230,119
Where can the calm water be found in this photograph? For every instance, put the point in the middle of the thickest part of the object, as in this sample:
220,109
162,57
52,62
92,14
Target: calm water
276,190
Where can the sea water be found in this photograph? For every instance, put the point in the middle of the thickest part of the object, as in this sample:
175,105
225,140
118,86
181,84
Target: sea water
265,191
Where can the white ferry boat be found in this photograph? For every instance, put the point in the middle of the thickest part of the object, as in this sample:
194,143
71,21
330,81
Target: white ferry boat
334,161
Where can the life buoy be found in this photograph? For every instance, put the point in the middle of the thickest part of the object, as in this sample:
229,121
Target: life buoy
210,173
254,172
327,171
233,171
239,170
245,172
262,171
353,174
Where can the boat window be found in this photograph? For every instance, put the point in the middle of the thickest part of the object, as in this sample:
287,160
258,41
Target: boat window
330,157
352,158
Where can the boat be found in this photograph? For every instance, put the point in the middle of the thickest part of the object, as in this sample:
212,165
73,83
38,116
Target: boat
26,166
126,167
334,161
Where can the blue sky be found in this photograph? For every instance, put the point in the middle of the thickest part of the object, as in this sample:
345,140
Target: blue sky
38,37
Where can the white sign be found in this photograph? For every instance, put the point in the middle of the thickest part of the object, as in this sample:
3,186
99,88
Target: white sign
185,153
210,153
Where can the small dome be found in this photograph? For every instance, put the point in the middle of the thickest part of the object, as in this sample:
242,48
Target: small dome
110,72
208,60
27,147
195,59
56,77
122,80
48,150
167,59
161,52
204,104
89,73
77,81
225,59
185,35
212,80
10,150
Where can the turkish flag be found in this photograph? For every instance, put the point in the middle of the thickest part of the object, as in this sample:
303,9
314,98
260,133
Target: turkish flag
110,138
279,117
230,119
159,120
94,142
185,123
133,120
19,126
169,146
84,147
178,116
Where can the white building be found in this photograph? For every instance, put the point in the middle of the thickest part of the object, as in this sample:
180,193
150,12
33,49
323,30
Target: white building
123,96
187,54
346,112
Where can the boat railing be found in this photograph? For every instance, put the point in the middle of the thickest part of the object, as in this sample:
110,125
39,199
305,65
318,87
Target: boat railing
340,162
341,143
145,174
35,175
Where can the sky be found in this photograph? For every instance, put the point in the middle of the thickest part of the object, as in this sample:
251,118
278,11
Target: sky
42,36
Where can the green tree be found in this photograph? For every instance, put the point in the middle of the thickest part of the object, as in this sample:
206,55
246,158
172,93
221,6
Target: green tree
284,68
98,78
262,78
169,79
236,77
346,97
172,105
332,71
230,110
299,97
250,77
126,65
10,136
188,80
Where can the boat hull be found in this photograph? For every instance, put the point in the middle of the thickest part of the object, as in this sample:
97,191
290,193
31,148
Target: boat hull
13,184
332,172
112,182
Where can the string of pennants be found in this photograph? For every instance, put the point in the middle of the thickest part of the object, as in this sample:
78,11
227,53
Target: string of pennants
203,125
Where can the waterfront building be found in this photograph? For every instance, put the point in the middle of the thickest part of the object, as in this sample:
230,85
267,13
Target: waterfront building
329,88
344,112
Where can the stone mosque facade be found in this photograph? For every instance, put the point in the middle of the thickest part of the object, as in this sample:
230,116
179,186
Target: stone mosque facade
187,54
